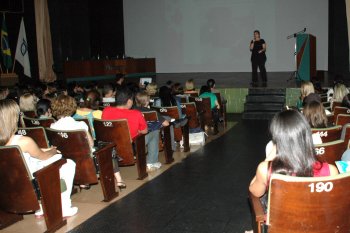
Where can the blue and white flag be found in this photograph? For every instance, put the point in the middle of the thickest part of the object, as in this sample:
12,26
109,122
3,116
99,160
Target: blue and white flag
22,50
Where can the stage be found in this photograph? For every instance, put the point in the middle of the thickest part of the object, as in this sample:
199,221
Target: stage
234,87
241,79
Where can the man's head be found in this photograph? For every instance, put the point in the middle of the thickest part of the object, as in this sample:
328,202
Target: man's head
108,90
124,98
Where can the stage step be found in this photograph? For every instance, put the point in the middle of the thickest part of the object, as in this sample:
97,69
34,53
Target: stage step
258,115
274,107
263,103
265,91
265,99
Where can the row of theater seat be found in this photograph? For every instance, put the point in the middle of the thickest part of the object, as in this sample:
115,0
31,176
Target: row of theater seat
74,145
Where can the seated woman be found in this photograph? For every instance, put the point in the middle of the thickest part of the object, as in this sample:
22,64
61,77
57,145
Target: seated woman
27,103
142,101
340,91
346,101
167,99
315,115
89,109
151,89
189,87
43,108
205,92
35,157
306,89
291,135
63,107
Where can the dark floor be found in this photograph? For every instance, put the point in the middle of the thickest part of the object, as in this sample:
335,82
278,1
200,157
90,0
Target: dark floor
207,192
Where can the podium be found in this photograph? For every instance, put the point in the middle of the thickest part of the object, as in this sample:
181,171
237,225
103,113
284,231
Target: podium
305,56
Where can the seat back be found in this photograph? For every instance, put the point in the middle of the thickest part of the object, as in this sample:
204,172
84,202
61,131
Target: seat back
330,151
73,144
17,194
313,205
35,122
116,131
340,110
87,122
204,110
329,134
107,104
191,112
342,119
172,112
150,116
38,134
31,114
345,135
326,105
336,104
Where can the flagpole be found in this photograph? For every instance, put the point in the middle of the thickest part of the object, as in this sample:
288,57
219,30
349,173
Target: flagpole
14,63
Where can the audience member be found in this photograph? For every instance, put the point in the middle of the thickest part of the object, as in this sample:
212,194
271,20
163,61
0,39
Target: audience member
4,92
137,124
189,87
315,114
108,93
151,89
27,102
306,89
43,108
89,109
119,82
63,108
205,92
35,157
142,101
291,135
346,101
340,91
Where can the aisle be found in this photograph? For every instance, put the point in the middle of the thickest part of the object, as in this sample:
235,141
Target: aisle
207,192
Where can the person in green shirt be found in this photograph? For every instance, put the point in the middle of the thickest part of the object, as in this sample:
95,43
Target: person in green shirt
205,92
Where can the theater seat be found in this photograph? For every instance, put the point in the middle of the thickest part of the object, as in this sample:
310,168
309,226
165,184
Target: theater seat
299,204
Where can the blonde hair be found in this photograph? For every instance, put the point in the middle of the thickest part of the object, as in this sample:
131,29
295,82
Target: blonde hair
142,99
306,89
151,89
63,106
27,102
340,91
189,85
9,114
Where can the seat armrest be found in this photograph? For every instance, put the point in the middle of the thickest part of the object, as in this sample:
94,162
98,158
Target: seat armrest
56,165
258,213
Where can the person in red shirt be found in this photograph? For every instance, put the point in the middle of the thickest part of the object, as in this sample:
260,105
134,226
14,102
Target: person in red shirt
137,124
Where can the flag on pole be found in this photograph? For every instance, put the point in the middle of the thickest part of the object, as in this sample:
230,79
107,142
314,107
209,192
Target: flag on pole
22,50
5,47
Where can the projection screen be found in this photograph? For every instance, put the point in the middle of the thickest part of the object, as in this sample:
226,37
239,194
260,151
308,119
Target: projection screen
214,35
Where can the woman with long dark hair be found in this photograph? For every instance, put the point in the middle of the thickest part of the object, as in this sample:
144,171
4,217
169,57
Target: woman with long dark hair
295,156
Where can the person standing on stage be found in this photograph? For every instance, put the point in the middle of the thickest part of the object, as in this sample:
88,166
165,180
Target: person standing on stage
258,58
